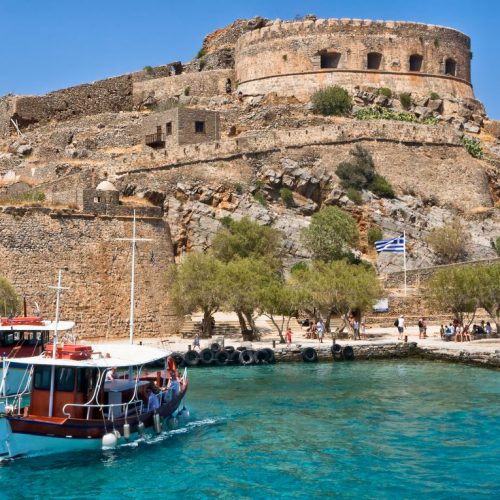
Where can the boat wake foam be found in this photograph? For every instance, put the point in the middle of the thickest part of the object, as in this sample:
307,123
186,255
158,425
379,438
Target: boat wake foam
153,439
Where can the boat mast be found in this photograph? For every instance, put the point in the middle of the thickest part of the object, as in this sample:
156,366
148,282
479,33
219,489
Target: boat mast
132,286
134,241
58,289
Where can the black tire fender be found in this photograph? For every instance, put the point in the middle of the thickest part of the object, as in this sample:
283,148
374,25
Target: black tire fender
261,357
206,356
309,355
247,357
348,353
191,358
222,358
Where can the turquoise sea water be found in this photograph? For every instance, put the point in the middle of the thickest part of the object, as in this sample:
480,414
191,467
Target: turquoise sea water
348,430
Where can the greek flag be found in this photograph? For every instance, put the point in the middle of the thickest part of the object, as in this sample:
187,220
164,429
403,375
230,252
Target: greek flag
396,245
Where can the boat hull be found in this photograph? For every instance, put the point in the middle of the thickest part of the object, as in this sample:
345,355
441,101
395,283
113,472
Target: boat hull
31,436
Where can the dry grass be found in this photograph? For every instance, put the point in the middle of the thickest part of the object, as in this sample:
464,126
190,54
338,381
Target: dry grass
135,200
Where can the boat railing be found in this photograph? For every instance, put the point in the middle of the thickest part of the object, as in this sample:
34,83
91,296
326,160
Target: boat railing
15,400
112,410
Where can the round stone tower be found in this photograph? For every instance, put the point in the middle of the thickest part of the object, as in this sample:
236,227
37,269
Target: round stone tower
298,58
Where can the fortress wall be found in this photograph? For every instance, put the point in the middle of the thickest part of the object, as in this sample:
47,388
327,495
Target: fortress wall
5,114
295,48
303,85
109,95
205,83
35,243
271,140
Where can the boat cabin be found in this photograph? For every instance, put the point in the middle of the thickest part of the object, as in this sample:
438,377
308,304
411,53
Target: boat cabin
26,336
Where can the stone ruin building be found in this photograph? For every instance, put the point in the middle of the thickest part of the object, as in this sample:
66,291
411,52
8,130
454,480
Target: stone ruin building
186,145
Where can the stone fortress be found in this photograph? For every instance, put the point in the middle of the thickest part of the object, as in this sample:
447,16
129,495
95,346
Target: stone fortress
185,145
298,58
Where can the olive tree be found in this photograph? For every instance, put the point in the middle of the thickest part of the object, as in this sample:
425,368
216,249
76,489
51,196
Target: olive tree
280,301
247,239
195,284
339,288
8,297
454,290
331,234
488,290
242,281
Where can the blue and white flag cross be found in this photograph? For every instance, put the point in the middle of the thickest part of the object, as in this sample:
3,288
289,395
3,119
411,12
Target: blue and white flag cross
396,245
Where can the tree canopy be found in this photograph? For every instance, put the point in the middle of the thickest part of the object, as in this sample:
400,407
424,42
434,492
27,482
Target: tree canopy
8,298
247,239
195,285
339,288
331,234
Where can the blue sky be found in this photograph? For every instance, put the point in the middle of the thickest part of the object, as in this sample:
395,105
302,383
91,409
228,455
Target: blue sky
50,44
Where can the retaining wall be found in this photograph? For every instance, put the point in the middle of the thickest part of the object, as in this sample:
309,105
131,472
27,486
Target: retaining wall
36,243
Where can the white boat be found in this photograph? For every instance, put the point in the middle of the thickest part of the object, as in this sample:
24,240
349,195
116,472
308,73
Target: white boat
75,404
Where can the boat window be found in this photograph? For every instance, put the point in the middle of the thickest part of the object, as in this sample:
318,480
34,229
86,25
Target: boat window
35,338
85,379
42,377
65,379
8,339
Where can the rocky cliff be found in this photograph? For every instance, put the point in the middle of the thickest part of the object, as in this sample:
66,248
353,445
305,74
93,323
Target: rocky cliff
267,142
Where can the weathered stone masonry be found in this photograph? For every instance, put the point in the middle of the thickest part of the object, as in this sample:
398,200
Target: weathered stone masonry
35,243
299,57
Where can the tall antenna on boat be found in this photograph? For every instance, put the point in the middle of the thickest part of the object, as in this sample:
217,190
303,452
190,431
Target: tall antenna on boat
134,241
58,289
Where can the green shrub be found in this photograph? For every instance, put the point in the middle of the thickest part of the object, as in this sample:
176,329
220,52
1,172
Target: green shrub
286,196
260,197
148,69
226,221
449,242
385,92
354,195
238,188
381,187
497,245
473,147
405,100
380,113
435,96
299,266
374,234
201,53
358,172
187,90
203,63
332,101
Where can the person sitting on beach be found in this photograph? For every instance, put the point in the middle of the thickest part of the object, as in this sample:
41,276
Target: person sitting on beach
466,334
449,332
488,329
153,401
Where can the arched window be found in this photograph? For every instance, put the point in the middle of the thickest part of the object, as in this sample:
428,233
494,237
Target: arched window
373,60
416,62
330,60
450,67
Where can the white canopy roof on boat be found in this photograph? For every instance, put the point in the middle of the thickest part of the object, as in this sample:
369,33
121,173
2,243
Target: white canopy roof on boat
47,326
103,356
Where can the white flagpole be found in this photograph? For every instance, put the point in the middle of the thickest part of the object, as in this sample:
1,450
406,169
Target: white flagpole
404,256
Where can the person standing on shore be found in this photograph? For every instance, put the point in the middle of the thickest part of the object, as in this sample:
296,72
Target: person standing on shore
401,327
355,327
320,328
289,337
